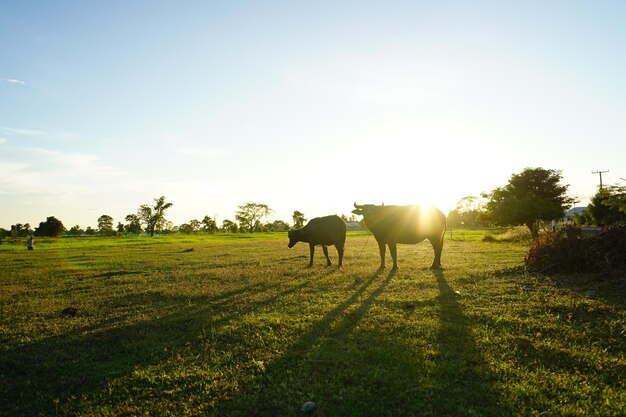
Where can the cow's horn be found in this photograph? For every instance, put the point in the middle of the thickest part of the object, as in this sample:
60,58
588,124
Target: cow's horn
356,205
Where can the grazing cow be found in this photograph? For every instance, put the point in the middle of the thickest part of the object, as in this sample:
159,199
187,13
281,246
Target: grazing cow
404,224
325,231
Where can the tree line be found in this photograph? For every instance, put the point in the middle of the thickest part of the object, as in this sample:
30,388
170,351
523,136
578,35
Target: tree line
531,198
150,219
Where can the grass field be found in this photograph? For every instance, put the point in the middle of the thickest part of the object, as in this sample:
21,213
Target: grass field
237,325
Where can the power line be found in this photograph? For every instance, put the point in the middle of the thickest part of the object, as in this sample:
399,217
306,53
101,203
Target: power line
600,172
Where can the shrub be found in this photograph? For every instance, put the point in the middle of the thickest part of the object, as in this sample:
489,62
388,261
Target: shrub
569,251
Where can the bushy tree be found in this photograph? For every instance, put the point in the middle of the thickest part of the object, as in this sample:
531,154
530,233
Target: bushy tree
277,226
185,229
52,227
298,220
133,224
531,196
105,225
76,231
20,230
467,212
154,216
617,198
250,215
195,225
229,226
604,209
209,225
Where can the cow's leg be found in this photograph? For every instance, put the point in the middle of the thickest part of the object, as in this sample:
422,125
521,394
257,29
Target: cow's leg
325,249
312,252
438,248
340,253
382,249
393,249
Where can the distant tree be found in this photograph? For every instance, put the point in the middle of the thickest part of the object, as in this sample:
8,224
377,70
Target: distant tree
20,230
133,224
76,231
607,206
298,219
229,226
277,226
209,225
467,212
3,234
154,217
195,225
168,227
531,196
120,227
105,224
52,227
185,229
89,231
250,215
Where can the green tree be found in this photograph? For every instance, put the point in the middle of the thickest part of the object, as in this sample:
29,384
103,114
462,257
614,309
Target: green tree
531,196
120,227
229,226
105,224
185,229
195,225
602,210
209,225
277,226
52,227
20,230
76,231
133,224
617,198
154,217
250,215
298,220
467,212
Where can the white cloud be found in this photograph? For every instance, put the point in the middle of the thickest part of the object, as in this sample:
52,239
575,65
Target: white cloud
44,134
13,81
23,132
3,140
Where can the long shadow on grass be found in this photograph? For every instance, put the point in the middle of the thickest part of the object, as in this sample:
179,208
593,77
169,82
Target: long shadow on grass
38,377
462,382
345,369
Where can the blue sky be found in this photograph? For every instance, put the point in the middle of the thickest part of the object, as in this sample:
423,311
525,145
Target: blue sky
305,106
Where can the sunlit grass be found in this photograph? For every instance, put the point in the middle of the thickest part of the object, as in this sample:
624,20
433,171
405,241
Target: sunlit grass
237,325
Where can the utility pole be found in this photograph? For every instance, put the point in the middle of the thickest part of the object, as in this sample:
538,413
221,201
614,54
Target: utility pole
600,172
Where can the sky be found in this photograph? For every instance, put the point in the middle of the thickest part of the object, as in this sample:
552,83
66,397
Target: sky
307,105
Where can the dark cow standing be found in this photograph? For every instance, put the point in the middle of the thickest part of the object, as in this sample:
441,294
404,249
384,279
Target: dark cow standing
325,231
404,224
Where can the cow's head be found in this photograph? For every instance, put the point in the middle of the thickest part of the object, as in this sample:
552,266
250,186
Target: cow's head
366,210
293,238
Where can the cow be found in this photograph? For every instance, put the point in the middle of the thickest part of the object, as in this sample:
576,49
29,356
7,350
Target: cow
391,225
325,231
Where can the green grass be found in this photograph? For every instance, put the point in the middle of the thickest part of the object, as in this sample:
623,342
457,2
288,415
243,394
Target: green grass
237,325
